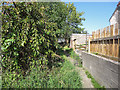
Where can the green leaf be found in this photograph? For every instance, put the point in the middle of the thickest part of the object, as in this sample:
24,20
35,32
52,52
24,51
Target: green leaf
16,54
23,42
3,48
12,40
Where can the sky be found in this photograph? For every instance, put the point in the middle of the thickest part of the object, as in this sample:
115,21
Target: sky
97,14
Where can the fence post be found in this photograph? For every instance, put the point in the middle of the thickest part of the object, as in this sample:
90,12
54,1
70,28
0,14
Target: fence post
111,30
89,46
113,48
119,49
106,41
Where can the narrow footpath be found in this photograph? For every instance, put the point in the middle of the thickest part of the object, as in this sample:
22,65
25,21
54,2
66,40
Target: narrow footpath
86,82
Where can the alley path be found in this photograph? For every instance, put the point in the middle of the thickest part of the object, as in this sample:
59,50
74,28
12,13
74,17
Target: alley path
86,82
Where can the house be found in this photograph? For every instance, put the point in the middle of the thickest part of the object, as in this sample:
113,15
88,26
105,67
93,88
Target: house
78,39
115,18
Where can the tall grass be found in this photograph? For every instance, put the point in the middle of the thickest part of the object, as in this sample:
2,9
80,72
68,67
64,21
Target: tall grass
63,76
66,78
76,57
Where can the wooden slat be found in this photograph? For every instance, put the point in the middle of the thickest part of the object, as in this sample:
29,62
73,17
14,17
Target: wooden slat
106,41
101,47
98,33
108,32
111,30
113,48
119,48
116,48
93,34
97,46
107,48
104,31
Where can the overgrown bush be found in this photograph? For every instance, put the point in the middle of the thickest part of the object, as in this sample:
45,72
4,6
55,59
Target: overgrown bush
30,33
27,36
63,76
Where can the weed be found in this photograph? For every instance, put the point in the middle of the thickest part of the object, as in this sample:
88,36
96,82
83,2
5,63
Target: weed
66,78
94,82
63,76
76,57
96,53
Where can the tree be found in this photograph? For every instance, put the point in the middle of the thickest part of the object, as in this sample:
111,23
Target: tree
73,22
66,17
27,35
30,31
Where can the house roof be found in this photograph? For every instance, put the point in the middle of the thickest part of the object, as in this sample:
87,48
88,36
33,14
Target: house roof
115,10
118,4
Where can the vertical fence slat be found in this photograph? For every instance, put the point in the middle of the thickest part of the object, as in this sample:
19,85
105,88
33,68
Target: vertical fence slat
108,32
119,48
111,30
113,48
108,47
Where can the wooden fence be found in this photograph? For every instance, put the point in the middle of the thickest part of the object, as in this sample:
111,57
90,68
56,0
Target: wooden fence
106,41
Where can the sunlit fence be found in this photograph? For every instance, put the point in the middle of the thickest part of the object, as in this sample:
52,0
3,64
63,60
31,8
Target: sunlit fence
106,41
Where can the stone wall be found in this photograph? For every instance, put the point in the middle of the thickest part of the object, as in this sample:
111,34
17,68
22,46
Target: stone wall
104,71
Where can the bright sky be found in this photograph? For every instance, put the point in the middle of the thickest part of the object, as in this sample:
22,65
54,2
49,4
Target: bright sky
97,14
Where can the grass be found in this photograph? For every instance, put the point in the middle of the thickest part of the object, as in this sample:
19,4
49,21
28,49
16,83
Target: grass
73,55
63,76
96,53
36,79
76,57
66,78
94,82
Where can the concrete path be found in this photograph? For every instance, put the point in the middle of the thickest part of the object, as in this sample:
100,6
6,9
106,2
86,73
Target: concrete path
86,82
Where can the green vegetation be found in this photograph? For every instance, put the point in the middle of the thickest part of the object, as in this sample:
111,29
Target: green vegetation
63,76
29,45
69,52
76,57
96,53
94,82
82,47
66,77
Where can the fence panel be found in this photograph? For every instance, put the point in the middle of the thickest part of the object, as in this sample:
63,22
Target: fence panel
106,41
